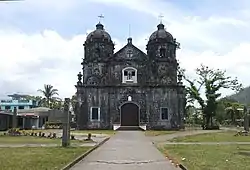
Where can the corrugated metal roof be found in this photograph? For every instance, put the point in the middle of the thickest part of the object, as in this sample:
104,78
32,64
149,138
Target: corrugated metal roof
6,113
37,109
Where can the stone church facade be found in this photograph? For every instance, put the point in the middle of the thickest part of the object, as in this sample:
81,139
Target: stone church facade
130,87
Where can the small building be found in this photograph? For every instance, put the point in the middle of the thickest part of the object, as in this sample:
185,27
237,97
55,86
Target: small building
18,101
5,120
32,118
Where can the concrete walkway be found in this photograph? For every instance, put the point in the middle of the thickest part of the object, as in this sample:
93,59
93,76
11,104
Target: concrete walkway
126,150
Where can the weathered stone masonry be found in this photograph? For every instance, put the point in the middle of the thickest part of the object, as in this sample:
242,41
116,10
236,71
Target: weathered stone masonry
108,80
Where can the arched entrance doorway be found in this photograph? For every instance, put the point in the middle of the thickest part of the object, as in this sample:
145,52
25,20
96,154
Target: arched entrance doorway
129,114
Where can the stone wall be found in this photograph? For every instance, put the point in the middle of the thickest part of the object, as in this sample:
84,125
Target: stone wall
5,121
57,116
149,99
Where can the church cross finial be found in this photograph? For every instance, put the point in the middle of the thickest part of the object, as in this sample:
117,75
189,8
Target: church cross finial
129,30
100,17
160,18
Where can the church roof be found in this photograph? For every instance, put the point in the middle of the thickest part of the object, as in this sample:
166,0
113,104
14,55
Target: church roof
129,51
161,33
99,34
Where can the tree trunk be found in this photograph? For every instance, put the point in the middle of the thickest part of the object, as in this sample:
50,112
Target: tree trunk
211,121
48,105
246,122
207,120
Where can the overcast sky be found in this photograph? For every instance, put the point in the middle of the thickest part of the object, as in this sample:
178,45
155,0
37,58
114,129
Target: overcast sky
41,40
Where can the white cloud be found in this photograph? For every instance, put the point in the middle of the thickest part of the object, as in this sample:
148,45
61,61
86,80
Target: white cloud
217,40
235,62
33,60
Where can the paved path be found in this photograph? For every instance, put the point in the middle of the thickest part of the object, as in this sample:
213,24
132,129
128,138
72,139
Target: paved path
126,150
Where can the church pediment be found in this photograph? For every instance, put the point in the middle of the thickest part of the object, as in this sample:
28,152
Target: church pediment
130,52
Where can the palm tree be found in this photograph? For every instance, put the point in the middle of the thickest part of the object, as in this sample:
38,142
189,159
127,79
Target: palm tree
56,103
49,92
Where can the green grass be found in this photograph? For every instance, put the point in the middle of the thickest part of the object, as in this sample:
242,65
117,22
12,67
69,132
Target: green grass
26,139
210,157
77,131
158,132
227,136
107,132
38,158
31,140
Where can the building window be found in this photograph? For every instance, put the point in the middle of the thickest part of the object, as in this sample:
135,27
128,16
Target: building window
162,52
95,114
7,107
129,98
129,75
98,52
92,81
20,107
164,113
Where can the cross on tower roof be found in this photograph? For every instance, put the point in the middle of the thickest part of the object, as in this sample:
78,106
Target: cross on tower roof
100,17
160,17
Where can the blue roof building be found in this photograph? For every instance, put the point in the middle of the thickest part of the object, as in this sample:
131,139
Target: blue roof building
18,101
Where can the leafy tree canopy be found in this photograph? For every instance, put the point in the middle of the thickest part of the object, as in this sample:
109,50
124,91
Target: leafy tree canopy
212,80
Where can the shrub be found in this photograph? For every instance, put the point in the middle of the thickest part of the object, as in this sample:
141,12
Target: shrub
53,125
14,132
73,137
54,135
214,127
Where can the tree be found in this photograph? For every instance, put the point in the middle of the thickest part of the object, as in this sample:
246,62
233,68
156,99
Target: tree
37,99
49,92
56,103
234,111
220,115
212,81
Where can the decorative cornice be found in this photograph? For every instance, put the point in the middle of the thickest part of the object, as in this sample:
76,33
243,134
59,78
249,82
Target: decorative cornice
130,86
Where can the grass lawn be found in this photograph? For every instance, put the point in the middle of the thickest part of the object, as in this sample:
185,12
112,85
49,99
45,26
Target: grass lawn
227,136
108,132
31,140
210,157
38,158
158,132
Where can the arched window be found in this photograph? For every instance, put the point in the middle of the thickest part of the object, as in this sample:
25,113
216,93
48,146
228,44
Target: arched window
129,75
129,98
98,51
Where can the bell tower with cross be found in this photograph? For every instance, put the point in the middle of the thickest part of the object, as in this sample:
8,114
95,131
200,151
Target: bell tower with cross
98,45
